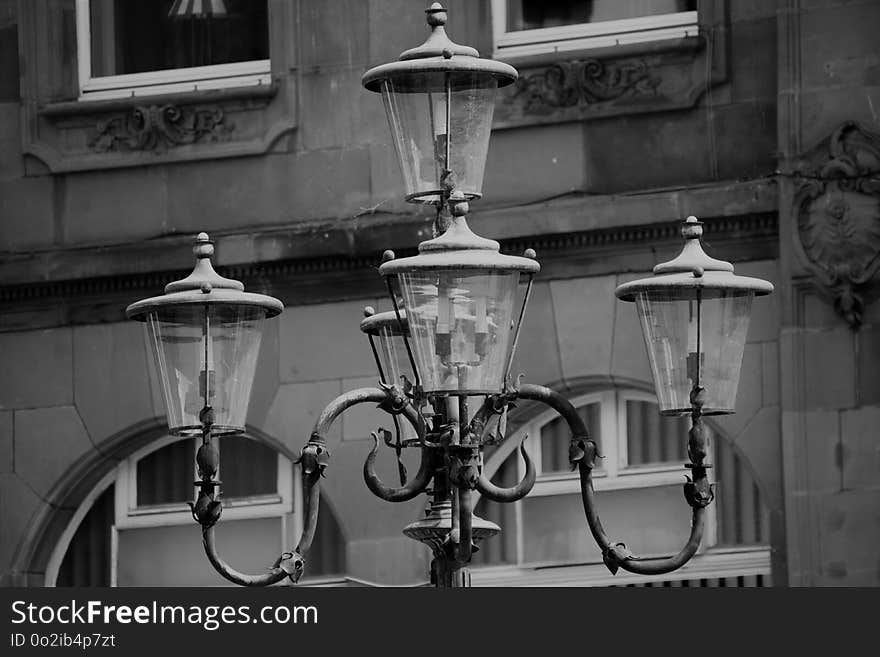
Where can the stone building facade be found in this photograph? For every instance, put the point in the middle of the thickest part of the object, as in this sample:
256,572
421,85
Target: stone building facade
761,119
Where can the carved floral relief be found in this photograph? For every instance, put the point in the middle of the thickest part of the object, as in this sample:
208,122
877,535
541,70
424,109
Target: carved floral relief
159,127
837,208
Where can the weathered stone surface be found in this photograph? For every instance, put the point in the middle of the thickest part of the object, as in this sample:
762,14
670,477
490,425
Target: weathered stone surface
26,206
324,341
753,44
48,441
869,357
745,139
331,98
834,53
37,367
860,447
110,377
555,163
820,109
115,206
584,313
821,451
829,369
537,354
333,34
617,149
11,167
296,407
7,441
770,369
18,504
848,524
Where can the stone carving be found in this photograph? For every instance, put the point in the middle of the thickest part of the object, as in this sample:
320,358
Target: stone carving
837,209
159,127
583,82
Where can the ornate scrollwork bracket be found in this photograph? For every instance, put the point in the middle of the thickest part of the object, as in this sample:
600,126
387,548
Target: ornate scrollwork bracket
583,453
206,510
159,127
837,218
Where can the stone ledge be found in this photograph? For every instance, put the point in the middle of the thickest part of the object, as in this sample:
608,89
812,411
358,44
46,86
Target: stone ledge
322,245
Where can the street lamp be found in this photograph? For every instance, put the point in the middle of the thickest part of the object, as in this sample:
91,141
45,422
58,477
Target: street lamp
458,308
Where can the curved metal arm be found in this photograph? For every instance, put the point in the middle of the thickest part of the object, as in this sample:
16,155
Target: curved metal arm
313,460
406,492
514,493
583,453
289,564
616,554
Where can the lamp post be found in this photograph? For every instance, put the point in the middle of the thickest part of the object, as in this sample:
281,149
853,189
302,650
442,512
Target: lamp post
458,309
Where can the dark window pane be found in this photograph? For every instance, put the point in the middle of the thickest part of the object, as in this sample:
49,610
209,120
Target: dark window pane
87,560
166,476
556,436
536,14
501,548
652,438
135,37
743,519
247,468
327,555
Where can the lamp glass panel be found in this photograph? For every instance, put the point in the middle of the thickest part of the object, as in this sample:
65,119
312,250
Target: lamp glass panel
393,357
460,323
690,340
206,355
435,114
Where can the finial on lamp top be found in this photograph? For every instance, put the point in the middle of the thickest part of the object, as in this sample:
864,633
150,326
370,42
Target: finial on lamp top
203,246
439,54
203,286
692,228
693,268
436,15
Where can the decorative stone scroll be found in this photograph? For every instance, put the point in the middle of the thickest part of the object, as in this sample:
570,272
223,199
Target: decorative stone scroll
581,83
158,127
837,218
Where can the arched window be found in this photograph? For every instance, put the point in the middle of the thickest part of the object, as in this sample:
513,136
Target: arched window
138,530
638,482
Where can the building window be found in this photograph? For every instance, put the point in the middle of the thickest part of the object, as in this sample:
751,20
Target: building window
638,484
162,46
532,27
135,528
154,486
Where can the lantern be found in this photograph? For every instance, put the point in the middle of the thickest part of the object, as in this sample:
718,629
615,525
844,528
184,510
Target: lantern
459,294
694,314
439,99
386,334
205,335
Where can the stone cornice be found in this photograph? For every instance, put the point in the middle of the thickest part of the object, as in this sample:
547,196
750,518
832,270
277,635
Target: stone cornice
327,245
340,277
574,235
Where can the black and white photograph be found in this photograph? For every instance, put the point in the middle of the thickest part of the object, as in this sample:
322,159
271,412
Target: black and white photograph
312,294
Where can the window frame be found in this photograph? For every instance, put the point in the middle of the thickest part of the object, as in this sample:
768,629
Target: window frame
613,471
587,36
615,474
217,76
128,515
